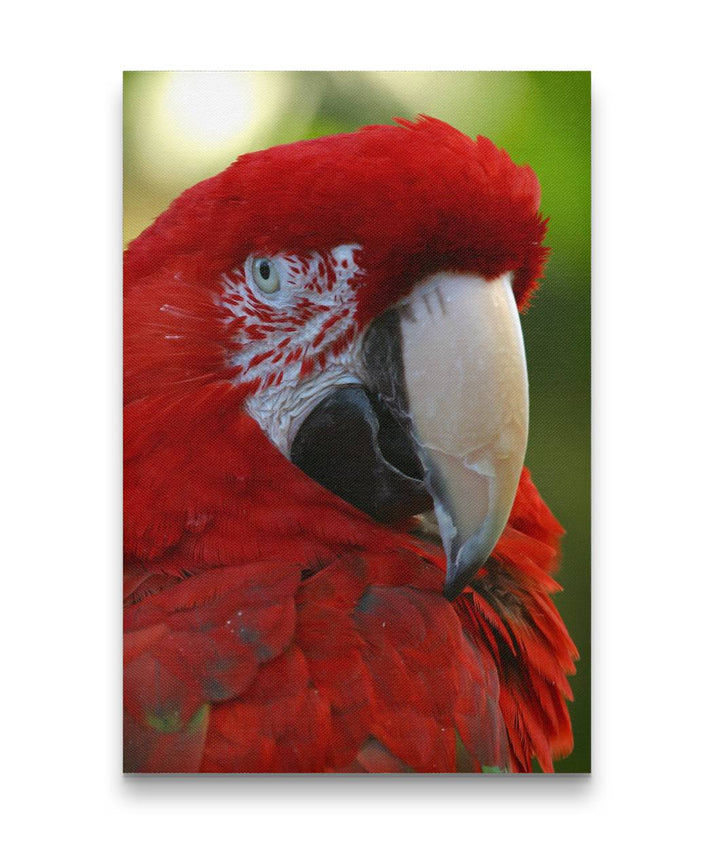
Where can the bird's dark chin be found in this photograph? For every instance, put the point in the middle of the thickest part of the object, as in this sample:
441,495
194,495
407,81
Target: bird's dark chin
354,445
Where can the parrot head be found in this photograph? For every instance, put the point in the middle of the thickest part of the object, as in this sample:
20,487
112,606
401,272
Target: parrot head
361,293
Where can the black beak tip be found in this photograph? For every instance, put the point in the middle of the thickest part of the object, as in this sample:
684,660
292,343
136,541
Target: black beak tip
463,567
453,588
458,576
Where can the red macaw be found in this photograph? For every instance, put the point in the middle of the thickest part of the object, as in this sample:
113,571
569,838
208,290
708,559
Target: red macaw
334,558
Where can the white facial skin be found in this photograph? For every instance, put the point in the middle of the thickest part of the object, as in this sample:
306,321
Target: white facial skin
298,340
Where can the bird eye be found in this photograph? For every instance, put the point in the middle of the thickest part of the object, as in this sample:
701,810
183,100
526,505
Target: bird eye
266,275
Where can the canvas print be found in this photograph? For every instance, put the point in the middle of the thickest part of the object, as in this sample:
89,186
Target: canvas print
356,422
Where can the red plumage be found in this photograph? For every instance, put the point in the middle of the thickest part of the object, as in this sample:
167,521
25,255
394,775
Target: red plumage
271,626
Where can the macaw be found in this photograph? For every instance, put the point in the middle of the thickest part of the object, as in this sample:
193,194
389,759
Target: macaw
335,560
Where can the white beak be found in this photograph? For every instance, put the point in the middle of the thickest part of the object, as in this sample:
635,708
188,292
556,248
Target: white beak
466,394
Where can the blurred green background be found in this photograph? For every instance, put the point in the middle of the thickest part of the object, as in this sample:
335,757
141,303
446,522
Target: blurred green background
181,127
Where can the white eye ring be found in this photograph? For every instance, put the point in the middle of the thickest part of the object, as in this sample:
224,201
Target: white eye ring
266,275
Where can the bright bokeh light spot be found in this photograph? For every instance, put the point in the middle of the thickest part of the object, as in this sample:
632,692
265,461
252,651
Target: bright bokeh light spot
190,125
209,108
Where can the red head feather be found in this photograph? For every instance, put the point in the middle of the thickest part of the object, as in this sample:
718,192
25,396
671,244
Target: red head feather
416,197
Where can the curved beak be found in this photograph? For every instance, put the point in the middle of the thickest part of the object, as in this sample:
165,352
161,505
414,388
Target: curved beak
450,363
434,416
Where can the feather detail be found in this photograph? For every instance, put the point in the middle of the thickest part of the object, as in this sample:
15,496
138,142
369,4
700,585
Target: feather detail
530,646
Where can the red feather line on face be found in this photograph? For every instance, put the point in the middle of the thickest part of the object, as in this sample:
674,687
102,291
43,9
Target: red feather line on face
316,303
270,626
